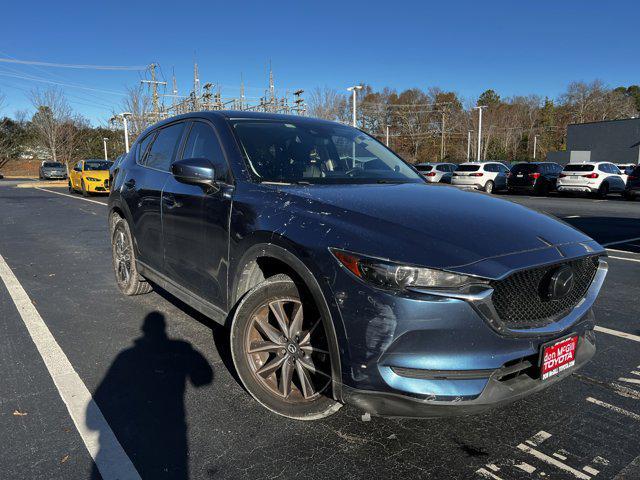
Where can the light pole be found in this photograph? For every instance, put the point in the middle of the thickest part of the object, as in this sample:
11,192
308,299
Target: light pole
387,139
442,140
479,108
126,130
535,145
104,143
354,90
468,145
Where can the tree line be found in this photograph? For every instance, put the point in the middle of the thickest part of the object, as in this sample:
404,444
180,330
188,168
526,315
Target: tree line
437,125
421,125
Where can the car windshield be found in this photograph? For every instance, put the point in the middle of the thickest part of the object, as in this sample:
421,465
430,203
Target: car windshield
305,152
52,165
578,168
424,168
524,168
97,165
468,168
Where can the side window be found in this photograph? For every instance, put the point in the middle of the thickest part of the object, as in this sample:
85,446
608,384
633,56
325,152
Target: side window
604,167
615,169
489,168
143,146
164,147
203,143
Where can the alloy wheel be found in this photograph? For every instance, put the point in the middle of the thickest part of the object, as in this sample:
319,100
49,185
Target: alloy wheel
287,353
122,253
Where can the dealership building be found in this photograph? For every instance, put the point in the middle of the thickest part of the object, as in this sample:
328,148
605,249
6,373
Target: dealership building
616,141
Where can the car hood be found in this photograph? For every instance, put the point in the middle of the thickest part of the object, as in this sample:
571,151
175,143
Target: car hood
434,226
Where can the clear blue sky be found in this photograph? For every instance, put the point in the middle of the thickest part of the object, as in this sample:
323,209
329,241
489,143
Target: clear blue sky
515,47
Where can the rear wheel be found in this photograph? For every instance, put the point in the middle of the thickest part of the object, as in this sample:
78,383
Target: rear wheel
124,259
489,186
71,190
280,351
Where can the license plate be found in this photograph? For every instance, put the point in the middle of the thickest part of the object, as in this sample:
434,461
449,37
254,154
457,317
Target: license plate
556,357
520,175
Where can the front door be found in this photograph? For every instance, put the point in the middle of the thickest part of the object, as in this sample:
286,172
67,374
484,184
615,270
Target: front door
195,222
75,176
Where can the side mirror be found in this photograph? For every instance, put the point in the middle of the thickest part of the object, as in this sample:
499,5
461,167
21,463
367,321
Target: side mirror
196,171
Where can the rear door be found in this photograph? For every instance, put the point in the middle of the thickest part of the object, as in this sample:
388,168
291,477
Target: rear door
196,220
142,190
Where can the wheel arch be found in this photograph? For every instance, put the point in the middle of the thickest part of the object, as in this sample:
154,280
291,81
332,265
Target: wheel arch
263,260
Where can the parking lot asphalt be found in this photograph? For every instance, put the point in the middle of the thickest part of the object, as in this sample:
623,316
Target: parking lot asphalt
170,396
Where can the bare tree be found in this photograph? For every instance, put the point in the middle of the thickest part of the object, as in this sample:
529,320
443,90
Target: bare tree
49,122
138,103
327,103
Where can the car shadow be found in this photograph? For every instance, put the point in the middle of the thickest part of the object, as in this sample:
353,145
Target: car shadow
142,400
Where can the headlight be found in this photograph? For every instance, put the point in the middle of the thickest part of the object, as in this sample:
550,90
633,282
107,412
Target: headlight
92,179
384,274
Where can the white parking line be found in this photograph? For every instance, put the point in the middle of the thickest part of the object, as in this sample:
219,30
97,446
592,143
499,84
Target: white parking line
627,259
70,196
572,216
630,380
552,461
112,461
623,251
613,408
617,333
619,242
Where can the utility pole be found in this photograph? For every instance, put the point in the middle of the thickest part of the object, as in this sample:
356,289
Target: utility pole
468,145
442,139
104,143
354,90
196,87
387,137
535,145
154,89
479,108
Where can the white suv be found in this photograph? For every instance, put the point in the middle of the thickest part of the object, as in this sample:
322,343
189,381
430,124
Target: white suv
487,176
600,178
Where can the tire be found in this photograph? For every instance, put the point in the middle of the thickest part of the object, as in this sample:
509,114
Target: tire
84,189
298,351
123,255
627,195
489,186
71,190
603,190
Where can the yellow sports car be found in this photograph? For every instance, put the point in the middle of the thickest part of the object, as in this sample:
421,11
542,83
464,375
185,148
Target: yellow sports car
90,176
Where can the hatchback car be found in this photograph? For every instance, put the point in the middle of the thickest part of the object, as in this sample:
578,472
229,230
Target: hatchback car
486,176
308,240
52,170
90,176
598,178
437,172
632,189
534,177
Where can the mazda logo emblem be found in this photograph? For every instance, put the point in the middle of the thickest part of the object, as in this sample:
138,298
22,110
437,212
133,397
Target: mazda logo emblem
560,283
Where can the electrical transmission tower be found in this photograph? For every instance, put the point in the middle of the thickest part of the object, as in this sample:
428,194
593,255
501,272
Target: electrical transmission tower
154,89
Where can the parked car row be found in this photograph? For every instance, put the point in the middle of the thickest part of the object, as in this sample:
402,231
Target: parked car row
537,178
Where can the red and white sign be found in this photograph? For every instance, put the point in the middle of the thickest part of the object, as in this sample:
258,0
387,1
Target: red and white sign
558,357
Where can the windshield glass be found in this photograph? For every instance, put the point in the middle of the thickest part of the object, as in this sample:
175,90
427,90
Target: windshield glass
317,153
97,165
578,168
468,168
52,165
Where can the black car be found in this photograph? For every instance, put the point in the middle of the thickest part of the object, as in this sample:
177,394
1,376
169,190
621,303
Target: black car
632,190
342,277
538,178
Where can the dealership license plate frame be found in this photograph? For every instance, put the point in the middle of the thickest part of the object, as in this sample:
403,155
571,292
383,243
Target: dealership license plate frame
551,344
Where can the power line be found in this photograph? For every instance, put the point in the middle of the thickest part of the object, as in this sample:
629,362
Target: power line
37,79
69,65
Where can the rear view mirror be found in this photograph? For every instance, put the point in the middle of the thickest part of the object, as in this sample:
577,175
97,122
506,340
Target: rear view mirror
196,171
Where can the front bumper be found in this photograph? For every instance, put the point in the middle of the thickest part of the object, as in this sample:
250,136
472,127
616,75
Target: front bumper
97,187
498,390
429,354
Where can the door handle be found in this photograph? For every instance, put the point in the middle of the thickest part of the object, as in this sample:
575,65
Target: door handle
170,202
130,183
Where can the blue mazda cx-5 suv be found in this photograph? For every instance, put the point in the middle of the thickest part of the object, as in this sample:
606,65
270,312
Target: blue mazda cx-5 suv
342,276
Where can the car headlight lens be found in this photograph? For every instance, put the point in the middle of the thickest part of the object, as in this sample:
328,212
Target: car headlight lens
389,275
93,179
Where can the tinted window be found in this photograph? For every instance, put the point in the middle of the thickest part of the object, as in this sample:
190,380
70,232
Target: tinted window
578,168
615,169
442,168
424,168
523,168
52,165
203,143
164,147
143,146
468,168
97,165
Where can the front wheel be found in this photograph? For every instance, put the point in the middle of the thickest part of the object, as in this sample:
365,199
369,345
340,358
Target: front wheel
280,350
85,193
603,190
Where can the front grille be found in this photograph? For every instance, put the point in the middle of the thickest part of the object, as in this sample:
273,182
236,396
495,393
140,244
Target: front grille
520,302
